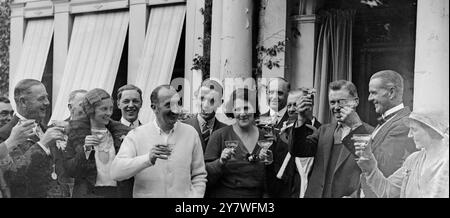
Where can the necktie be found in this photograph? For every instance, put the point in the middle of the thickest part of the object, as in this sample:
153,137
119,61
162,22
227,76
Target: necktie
382,119
338,134
206,132
132,125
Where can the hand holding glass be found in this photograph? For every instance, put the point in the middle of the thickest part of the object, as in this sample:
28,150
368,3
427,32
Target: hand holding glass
361,142
265,145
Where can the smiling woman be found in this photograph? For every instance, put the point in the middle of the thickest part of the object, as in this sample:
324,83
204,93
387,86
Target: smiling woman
92,146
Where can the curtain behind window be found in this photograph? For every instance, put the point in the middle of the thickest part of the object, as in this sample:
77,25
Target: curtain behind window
333,56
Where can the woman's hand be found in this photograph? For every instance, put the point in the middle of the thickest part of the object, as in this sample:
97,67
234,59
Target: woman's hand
263,154
367,161
226,155
90,142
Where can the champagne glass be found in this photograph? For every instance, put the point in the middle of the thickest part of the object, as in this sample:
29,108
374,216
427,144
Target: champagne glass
232,144
361,140
265,145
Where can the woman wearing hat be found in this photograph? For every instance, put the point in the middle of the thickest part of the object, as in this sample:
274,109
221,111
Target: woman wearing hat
236,172
92,145
425,173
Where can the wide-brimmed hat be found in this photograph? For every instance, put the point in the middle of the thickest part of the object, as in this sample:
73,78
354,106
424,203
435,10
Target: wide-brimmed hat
437,121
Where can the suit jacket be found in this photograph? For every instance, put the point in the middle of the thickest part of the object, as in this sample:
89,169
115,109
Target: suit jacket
85,170
291,178
345,173
279,150
193,121
28,172
391,146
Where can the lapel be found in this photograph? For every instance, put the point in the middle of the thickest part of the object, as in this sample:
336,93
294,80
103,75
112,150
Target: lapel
343,155
284,118
384,130
327,145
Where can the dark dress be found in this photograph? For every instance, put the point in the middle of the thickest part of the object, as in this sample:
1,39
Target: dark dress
238,178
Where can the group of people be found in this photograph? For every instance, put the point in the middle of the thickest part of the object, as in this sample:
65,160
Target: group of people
90,155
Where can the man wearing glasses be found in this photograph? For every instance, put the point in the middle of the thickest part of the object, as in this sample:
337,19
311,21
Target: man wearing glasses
334,173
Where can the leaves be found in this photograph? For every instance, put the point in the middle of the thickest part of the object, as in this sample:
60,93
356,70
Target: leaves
5,12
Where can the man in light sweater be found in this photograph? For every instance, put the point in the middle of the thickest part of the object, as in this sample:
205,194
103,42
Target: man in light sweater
164,156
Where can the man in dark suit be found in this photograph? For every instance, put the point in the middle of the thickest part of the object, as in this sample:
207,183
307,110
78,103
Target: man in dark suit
276,95
31,168
209,98
390,142
129,101
290,172
334,173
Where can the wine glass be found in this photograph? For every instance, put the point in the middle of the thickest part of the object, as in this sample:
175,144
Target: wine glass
231,144
361,140
265,145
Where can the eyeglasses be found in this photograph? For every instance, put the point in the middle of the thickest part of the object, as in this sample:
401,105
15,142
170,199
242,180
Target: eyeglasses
6,113
343,102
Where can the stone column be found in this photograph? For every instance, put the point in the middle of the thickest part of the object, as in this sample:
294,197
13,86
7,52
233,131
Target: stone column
18,26
136,36
61,38
431,80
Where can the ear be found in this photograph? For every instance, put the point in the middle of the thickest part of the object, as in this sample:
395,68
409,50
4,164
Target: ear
69,106
118,103
22,100
153,106
391,92
357,101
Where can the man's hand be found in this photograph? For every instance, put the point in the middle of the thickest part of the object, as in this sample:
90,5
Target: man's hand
226,155
51,135
304,104
350,117
20,133
159,152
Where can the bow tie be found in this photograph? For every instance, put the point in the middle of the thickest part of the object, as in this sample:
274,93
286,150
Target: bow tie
381,120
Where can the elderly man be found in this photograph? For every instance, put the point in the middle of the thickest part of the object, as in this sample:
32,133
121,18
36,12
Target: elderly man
390,143
164,156
129,101
30,167
277,95
291,174
209,96
335,173
75,98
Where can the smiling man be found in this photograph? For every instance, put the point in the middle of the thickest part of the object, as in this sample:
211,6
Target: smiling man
129,101
390,142
165,156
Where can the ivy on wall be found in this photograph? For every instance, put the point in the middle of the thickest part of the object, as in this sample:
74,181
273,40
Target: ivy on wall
5,12
202,62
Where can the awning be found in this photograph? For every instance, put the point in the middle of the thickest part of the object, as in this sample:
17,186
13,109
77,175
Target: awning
94,55
36,44
160,49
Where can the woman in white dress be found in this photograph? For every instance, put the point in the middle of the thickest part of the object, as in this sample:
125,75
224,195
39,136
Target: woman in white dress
425,173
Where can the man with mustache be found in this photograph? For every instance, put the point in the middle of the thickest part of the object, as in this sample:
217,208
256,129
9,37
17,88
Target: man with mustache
31,167
129,101
165,156
390,142
209,97
335,173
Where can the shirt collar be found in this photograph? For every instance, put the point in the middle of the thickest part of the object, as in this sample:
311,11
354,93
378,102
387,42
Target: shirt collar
160,131
393,110
201,121
127,123
280,113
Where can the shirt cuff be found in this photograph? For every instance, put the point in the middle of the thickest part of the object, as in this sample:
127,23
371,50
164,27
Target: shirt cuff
47,150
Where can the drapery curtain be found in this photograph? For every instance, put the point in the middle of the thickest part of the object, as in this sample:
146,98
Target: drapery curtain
333,56
36,45
93,59
160,49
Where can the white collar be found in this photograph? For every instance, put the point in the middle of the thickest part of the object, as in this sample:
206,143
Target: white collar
201,121
280,113
127,123
393,110
160,131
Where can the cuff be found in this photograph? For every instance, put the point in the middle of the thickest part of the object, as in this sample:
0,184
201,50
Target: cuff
45,148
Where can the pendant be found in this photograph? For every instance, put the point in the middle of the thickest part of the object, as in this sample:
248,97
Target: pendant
54,176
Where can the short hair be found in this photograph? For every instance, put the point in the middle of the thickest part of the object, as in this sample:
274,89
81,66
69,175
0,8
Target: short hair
92,99
301,90
75,92
128,87
390,79
245,94
282,79
4,100
23,88
154,98
211,84
344,84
